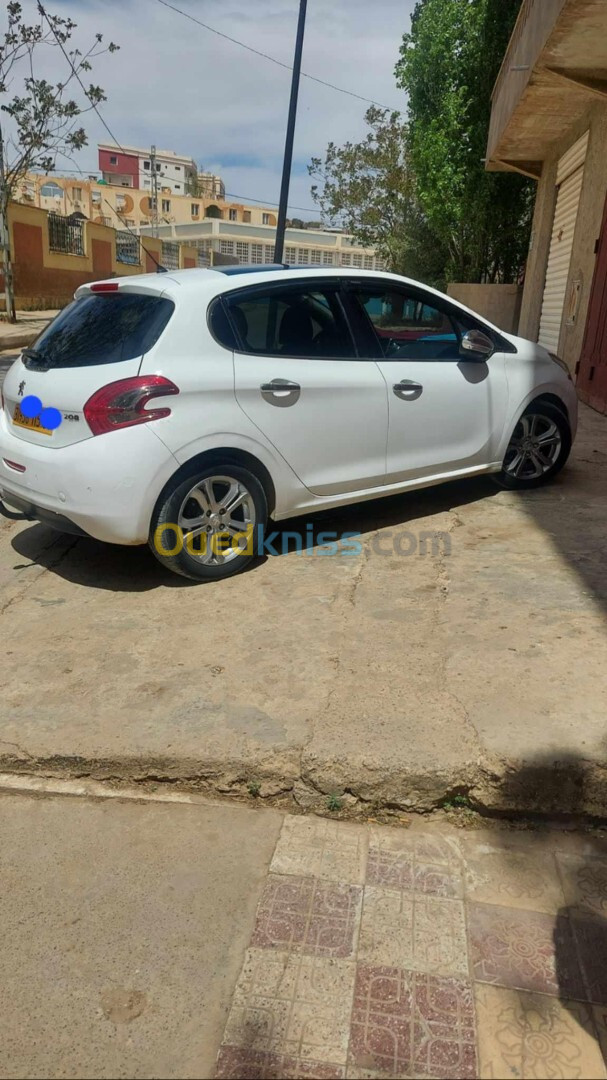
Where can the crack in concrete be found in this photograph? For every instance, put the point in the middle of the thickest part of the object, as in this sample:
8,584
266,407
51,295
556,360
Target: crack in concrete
18,596
21,749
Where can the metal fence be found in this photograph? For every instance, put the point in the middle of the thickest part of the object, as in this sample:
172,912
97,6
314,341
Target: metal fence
127,247
170,255
65,234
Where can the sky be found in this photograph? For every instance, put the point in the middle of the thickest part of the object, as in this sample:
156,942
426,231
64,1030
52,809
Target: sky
183,88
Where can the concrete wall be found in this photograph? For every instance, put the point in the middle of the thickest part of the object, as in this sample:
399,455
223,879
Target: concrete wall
587,231
500,304
47,279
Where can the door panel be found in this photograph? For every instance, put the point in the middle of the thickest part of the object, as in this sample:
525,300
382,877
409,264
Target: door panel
446,413
332,432
299,379
447,421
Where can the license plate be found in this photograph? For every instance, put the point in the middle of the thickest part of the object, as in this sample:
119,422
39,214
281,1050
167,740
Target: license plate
32,422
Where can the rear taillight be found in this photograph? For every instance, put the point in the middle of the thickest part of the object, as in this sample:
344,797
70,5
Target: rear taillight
122,404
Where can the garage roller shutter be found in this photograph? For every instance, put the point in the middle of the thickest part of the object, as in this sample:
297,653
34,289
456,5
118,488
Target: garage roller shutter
570,176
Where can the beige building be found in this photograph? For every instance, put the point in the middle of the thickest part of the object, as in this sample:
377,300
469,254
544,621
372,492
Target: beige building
549,122
118,205
250,243
229,229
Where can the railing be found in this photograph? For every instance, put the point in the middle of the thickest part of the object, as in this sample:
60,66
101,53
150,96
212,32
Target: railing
127,248
170,255
65,235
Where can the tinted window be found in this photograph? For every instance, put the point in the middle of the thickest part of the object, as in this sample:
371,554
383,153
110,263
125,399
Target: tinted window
101,329
303,321
406,327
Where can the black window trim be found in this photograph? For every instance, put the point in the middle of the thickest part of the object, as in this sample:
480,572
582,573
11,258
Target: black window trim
334,283
431,300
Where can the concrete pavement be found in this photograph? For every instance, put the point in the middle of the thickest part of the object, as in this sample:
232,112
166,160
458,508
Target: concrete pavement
25,331
201,940
387,679
124,928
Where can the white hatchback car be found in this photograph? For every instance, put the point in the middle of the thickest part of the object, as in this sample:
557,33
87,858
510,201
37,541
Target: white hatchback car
183,409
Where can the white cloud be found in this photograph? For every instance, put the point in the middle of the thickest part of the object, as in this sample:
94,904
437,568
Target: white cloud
180,86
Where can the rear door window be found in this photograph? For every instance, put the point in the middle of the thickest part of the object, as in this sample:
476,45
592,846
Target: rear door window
292,321
101,329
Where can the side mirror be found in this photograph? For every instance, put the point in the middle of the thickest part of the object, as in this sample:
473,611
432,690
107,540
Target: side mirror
476,345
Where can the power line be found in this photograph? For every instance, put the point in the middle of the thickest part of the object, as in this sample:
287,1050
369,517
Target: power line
77,76
273,59
106,126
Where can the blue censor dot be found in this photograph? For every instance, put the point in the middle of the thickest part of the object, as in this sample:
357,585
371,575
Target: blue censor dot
50,418
31,406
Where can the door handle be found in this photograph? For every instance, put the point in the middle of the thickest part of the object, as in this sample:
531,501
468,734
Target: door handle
407,390
280,392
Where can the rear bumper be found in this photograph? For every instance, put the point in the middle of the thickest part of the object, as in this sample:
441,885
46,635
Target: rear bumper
37,513
105,487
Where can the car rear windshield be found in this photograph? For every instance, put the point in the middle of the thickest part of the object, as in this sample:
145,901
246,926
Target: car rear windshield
101,329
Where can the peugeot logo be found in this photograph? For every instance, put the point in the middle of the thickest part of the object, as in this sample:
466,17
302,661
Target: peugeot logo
21,388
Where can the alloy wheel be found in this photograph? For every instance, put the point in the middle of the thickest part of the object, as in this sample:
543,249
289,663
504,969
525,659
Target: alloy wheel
534,447
217,517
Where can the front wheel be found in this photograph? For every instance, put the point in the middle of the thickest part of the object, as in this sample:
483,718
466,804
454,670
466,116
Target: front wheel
206,526
538,449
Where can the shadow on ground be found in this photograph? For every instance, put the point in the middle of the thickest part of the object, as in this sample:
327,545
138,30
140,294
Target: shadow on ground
88,562
578,968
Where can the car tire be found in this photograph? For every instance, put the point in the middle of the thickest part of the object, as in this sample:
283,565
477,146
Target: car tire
182,541
538,449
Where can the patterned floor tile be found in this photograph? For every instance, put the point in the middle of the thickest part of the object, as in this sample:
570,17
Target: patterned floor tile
292,1005
585,883
533,1036
353,1072
420,932
408,1023
235,1063
316,847
386,929
599,1013
511,877
591,940
307,915
403,870
423,847
525,950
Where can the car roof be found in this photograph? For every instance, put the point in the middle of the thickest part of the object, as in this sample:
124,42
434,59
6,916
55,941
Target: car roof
180,285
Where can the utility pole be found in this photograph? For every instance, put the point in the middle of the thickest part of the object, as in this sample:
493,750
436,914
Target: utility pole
5,245
288,158
154,191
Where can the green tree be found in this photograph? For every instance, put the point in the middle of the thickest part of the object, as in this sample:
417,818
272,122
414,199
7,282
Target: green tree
43,117
367,188
448,65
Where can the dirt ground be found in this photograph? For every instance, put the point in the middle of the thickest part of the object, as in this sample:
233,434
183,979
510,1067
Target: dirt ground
474,666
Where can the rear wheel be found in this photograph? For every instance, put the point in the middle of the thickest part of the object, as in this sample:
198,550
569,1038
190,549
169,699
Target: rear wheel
538,449
205,527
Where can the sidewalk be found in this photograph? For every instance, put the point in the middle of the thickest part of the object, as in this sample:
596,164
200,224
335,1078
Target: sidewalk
137,933
387,953
29,324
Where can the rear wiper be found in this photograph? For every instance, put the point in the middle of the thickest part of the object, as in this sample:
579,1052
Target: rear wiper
38,358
